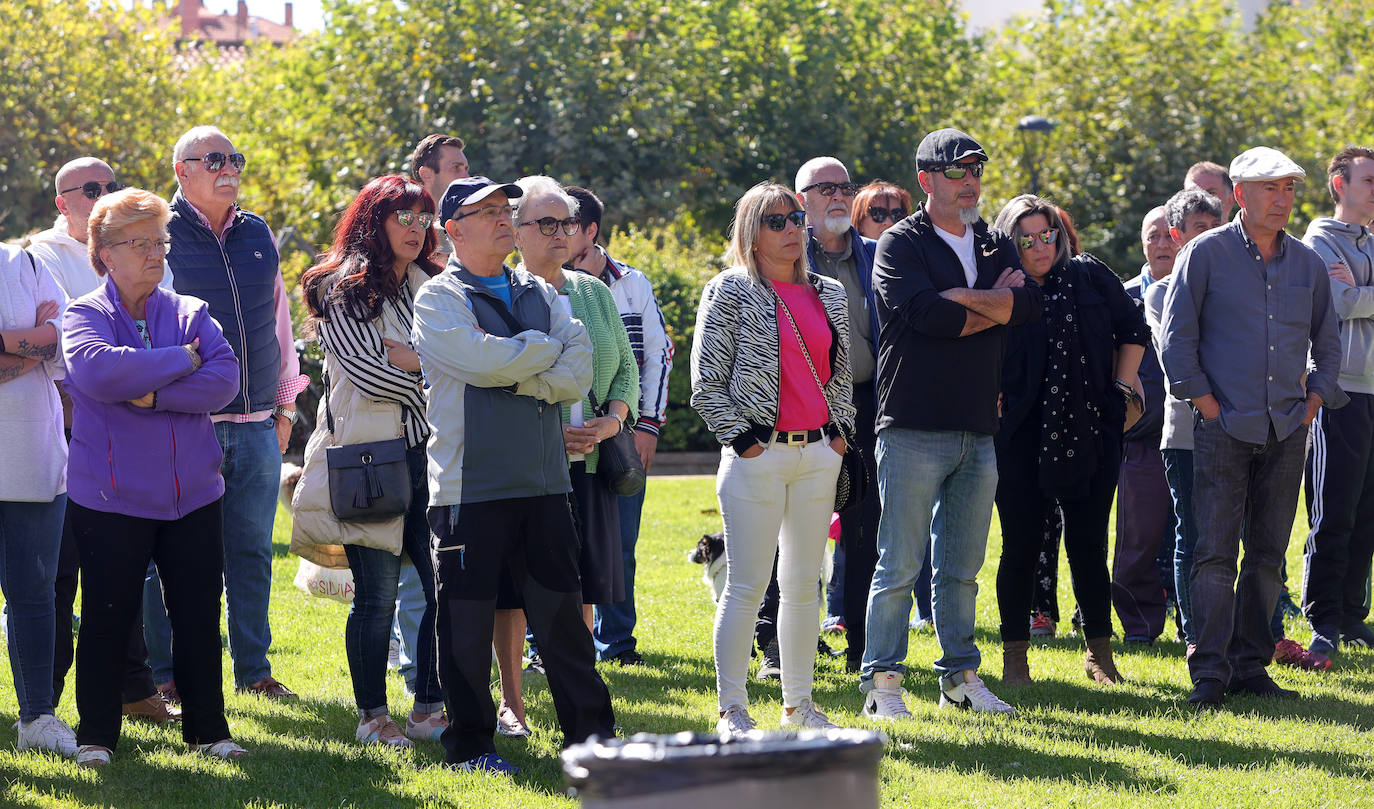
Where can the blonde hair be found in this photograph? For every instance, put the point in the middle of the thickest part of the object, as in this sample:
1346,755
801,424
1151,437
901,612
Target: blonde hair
744,229
114,212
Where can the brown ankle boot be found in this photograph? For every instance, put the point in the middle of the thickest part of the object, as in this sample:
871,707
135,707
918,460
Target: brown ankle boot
1015,669
1098,663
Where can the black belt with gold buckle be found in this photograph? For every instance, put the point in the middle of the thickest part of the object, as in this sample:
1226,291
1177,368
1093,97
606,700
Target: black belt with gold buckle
797,436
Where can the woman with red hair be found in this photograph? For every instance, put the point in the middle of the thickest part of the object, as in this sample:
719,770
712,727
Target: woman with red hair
360,297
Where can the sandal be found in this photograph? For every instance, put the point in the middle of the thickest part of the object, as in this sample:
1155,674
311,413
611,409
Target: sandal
226,749
93,755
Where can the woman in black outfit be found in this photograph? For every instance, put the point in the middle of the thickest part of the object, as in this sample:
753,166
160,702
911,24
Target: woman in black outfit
1065,385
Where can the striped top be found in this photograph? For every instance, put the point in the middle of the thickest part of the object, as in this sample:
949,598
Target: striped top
355,346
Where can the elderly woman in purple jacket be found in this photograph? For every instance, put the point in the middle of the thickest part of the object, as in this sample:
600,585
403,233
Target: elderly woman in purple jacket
146,367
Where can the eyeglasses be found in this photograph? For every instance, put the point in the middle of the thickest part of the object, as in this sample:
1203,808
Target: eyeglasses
1046,236
146,246
405,217
489,212
93,189
778,221
880,215
549,226
958,170
214,161
829,189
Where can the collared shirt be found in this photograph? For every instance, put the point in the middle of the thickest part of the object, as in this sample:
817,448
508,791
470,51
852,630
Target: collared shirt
843,268
1239,327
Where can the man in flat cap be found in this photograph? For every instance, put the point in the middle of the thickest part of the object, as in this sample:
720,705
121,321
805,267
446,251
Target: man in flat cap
945,289
1246,304
497,351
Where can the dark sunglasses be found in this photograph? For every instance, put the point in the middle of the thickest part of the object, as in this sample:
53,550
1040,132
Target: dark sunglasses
880,214
1047,236
549,225
778,221
93,189
958,170
214,161
405,217
829,189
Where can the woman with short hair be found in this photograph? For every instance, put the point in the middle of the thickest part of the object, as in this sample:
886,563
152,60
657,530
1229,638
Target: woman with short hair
771,379
145,368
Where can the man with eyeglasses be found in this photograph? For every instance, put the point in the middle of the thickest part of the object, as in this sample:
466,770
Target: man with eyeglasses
227,257
500,355
1250,337
945,289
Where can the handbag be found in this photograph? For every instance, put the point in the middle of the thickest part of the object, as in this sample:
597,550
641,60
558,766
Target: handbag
324,582
852,483
619,462
368,482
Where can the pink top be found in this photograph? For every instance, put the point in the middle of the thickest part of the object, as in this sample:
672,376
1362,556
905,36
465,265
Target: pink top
801,404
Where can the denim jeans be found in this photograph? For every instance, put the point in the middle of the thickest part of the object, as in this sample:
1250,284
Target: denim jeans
1245,494
405,629
1178,469
613,627
252,477
30,535
368,631
936,487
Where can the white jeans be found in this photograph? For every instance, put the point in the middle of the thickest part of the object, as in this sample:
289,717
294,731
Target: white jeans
779,501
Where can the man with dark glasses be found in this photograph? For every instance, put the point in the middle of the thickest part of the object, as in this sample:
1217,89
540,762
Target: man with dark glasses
836,250
227,257
945,288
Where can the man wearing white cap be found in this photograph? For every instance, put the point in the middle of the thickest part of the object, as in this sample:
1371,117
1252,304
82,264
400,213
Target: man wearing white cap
1246,304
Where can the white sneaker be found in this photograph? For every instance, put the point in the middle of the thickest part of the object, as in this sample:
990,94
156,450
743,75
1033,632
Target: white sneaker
919,624
807,715
735,721
886,701
47,732
972,695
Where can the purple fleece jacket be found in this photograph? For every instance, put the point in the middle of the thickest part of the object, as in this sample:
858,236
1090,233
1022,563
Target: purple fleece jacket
162,463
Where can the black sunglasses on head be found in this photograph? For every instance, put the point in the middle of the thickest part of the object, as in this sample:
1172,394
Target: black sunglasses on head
829,189
93,189
880,214
778,221
214,161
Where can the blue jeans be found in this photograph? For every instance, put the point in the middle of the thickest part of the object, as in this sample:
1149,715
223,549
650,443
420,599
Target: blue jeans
1245,493
30,535
252,477
410,610
613,626
937,488
1178,469
368,631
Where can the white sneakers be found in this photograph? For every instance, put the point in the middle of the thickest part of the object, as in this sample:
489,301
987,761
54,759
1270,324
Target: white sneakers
735,720
47,732
970,694
886,700
807,715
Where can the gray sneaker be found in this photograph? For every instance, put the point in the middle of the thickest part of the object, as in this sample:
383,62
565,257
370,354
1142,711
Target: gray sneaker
735,721
886,699
970,694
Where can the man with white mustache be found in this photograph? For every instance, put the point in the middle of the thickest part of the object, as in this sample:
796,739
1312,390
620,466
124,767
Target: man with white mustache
227,257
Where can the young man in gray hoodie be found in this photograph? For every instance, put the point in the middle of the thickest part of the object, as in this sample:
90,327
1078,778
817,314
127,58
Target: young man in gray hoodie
1340,456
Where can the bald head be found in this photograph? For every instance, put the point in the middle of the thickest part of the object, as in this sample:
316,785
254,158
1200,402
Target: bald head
74,204
806,175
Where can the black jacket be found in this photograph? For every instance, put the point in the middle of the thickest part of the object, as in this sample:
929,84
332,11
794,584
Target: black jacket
930,378
1107,319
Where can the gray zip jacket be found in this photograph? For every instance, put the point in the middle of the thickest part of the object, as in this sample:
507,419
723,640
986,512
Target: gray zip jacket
1336,241
495,428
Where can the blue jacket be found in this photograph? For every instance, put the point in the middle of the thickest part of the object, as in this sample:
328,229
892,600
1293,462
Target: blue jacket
236,280
863,250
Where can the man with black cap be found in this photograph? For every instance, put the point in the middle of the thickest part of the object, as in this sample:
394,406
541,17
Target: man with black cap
1246,304
945,288
499,355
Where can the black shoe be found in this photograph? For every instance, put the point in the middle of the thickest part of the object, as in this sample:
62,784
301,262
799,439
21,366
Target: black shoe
629,657
771,667
1261,685
536,664
1358,635
1208,694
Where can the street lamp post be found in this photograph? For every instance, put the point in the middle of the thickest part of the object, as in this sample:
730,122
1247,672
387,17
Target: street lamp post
1031,153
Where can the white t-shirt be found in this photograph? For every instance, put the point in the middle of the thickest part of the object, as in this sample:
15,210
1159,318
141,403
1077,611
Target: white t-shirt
963,248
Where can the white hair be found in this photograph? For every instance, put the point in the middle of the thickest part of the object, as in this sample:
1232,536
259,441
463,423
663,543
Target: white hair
540,185
193,136
810,167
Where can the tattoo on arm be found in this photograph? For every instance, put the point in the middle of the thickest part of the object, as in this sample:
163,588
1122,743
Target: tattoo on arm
12,367
42,352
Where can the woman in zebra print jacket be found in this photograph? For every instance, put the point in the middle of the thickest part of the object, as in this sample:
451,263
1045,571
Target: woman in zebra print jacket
771,378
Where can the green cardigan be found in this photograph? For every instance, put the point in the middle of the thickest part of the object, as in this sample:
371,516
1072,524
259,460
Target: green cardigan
615,374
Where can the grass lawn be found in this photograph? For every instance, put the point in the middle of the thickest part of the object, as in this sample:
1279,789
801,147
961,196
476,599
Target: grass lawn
1073,743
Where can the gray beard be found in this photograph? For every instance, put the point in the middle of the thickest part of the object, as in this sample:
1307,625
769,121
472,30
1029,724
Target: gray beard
837,224
968,216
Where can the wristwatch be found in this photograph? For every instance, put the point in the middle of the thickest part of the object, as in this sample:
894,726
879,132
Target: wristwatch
286,413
